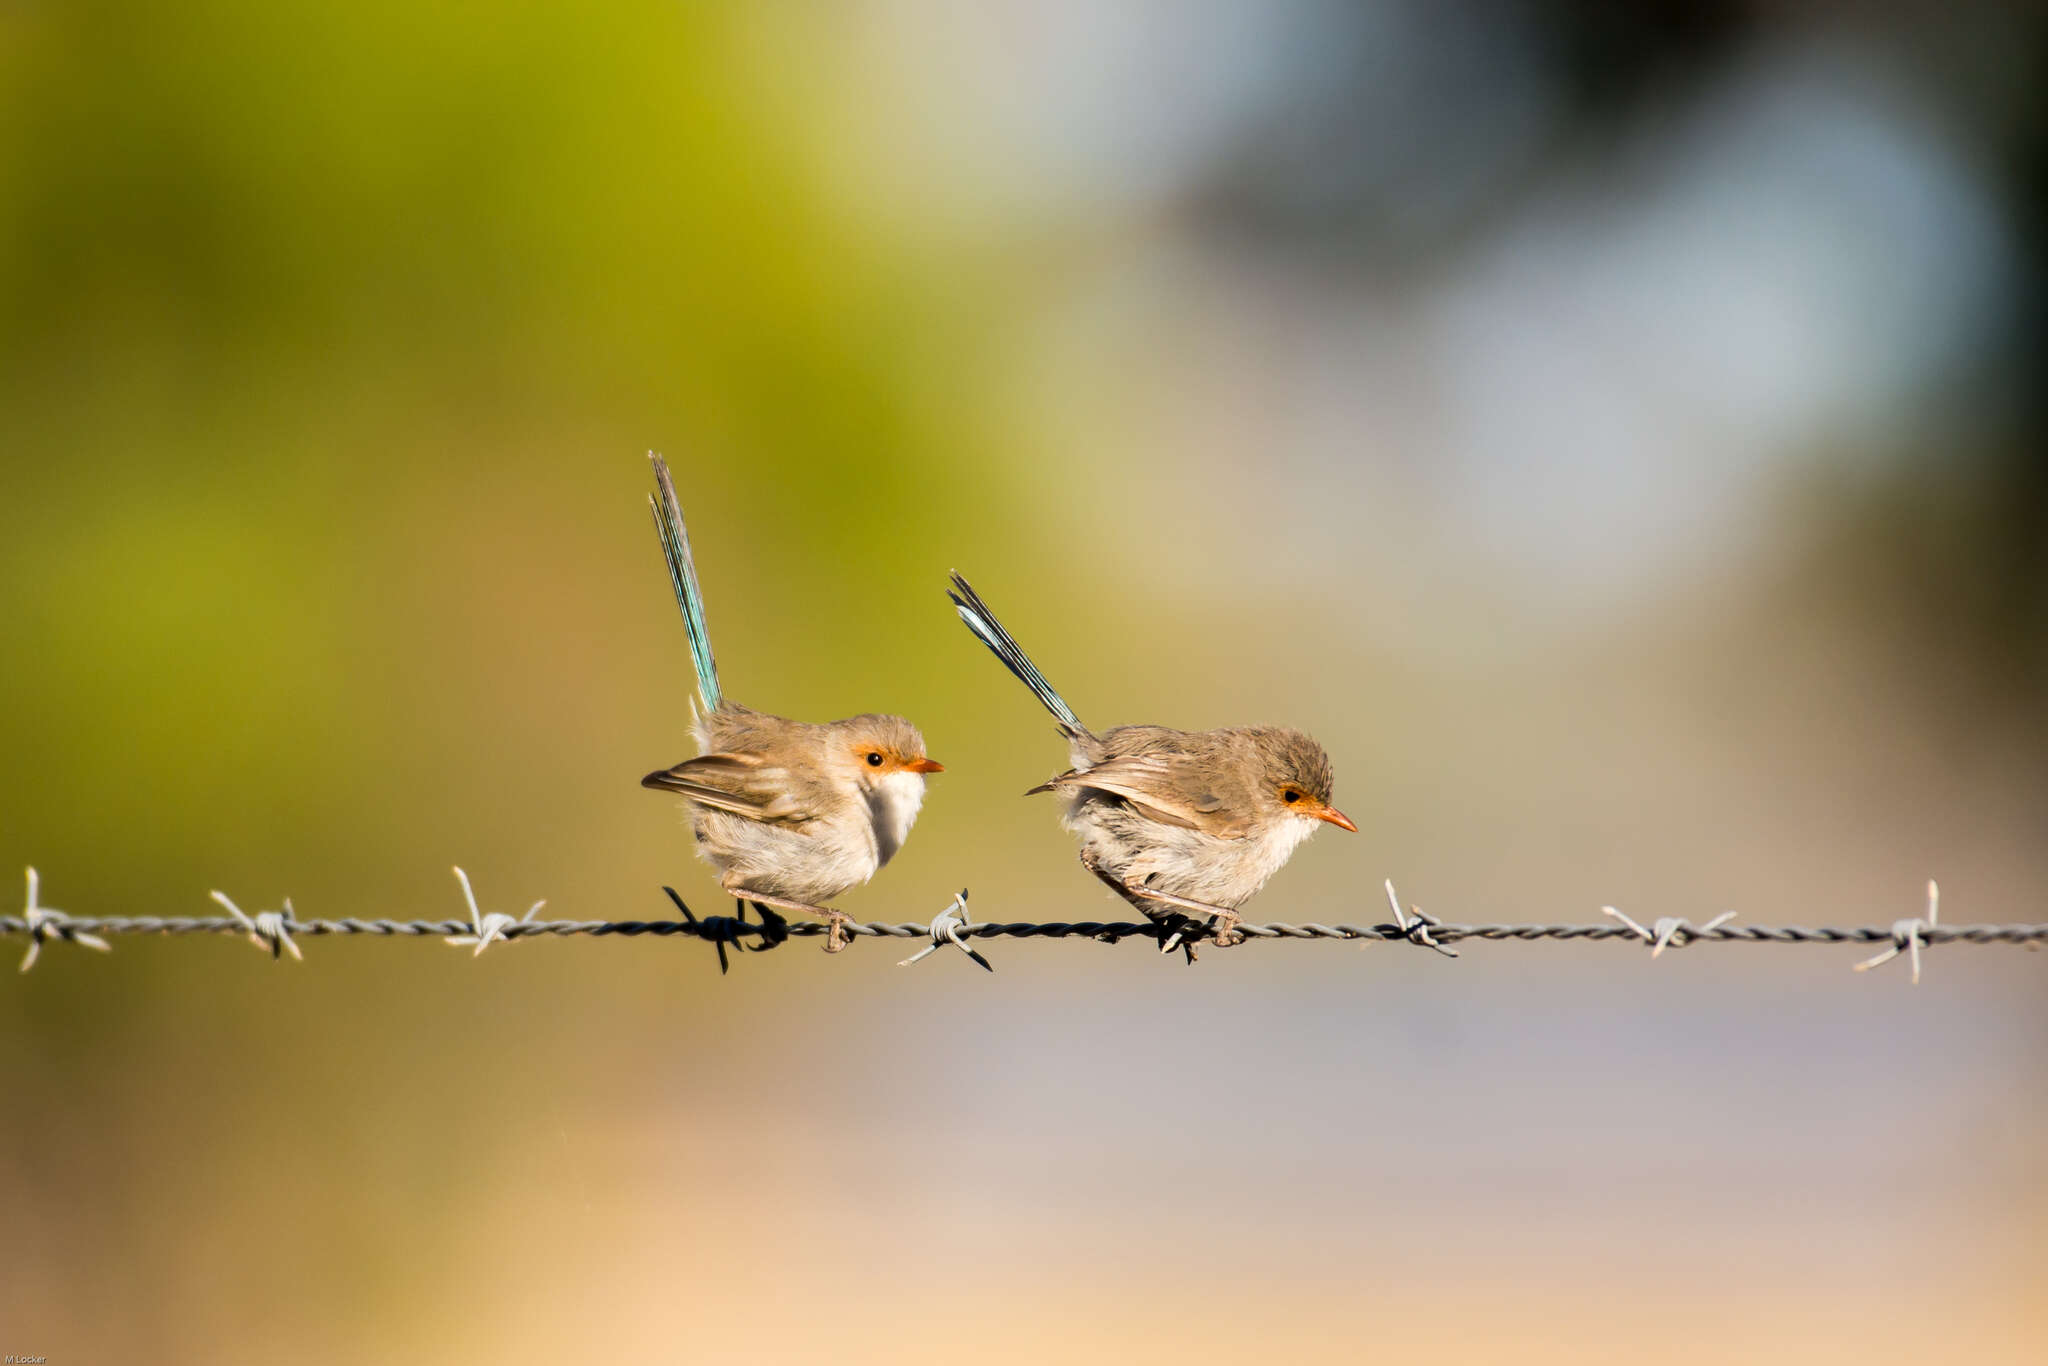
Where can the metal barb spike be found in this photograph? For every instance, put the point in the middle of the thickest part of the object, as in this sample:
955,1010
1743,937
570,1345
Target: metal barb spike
1666,930
945,928
721,930
1416,930
774,928
488,926
268,930
1908,935
44,922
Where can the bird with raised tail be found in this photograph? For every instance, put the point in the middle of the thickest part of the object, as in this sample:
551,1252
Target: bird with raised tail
1176,822
790,814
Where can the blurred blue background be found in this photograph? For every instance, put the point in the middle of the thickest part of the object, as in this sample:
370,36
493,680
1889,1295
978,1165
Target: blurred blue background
1616,433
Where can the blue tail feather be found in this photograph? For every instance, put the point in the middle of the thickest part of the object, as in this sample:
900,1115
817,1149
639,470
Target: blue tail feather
989,631
682,574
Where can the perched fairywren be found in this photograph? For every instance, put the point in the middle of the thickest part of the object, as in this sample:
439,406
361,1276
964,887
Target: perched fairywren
1176,820
791,814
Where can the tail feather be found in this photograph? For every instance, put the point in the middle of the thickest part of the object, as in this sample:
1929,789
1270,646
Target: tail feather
682,574
975,613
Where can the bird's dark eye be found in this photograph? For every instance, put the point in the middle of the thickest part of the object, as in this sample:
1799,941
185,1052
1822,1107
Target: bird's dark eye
874,759
1290,796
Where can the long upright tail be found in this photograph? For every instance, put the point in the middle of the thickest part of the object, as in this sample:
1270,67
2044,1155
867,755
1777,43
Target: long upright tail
990,632
682,573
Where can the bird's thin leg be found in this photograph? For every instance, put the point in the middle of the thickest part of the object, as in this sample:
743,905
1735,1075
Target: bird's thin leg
835,919
1166,920
1224,920
1115,884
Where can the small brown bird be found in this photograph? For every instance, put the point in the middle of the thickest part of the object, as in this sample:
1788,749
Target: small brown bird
791,814
1173,820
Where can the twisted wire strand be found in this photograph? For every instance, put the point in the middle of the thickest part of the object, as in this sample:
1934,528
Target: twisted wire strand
722,928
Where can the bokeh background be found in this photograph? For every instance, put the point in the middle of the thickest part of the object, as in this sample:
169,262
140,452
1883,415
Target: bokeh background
1615,431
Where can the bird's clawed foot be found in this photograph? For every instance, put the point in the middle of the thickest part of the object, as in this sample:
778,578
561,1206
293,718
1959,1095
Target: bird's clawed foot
775,929
836,938
1180,932
1185,924
1184,932
1187,931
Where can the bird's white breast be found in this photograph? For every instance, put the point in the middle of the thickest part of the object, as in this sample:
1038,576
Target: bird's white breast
1278,845
893,803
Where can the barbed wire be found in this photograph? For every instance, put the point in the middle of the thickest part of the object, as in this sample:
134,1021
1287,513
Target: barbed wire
277,931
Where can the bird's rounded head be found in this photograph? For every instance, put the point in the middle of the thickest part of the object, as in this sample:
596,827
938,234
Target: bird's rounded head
1299,776
880,746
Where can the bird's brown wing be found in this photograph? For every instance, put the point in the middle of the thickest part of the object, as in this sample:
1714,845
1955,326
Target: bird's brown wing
1169,788
744,784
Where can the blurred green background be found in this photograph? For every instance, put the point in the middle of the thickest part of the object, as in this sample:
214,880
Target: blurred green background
1617,435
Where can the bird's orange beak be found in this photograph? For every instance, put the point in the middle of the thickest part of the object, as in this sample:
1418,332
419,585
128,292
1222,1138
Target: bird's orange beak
1336,818
924,766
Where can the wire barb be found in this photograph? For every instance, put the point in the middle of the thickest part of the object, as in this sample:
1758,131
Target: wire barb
1910,934
274,929
720,930
487,926
269,930
43,922
1665,930
945,929
1415,931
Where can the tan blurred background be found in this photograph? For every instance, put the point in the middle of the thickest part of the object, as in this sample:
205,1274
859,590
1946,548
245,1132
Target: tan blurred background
1619,439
